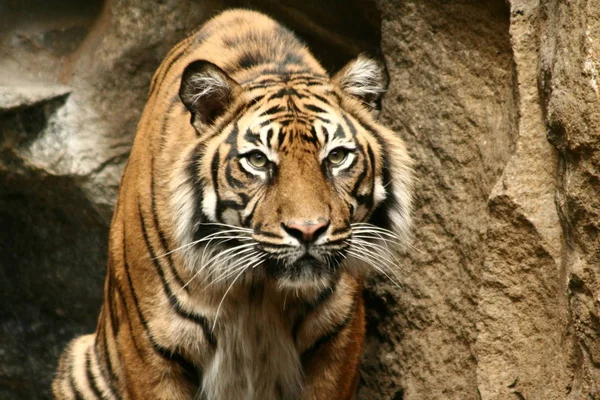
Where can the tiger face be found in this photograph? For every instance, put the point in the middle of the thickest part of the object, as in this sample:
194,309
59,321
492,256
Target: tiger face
284,171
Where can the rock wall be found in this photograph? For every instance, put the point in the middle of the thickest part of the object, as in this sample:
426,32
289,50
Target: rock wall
500,296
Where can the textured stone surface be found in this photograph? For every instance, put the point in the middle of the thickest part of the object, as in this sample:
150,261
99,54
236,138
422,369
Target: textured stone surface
570,60
452,98
500,296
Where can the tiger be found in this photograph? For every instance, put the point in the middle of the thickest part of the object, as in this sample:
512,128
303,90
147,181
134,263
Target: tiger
259,193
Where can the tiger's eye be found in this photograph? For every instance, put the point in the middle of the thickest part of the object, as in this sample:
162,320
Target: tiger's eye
257,159
337,156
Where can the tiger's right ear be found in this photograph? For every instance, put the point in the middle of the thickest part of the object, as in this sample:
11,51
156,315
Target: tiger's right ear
206,90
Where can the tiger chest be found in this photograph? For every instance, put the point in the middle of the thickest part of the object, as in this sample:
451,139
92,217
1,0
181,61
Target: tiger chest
255,358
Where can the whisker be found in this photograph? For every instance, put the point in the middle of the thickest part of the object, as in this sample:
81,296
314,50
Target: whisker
204,239
227,291
223,298
242,247
232,269
363,245
254,260
372,263
366,228
387,253
230,254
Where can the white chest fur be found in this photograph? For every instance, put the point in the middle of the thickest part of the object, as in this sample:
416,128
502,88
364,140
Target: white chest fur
256,358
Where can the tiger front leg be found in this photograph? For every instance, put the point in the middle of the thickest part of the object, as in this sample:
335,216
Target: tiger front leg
331,364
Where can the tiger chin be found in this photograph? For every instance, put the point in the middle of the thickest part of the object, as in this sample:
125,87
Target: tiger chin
259,192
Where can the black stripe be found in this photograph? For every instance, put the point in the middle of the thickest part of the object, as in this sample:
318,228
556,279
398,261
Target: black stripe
114,321
199,231
331,334
214,172
107,365
336,96
372,161
188,368
248,218
272,110
322,119
251,84
314,108
281,138
269,138
223,205
380,215
90,376
115,284
360,179
359,147
136,304
232,180
321,99
367,199
302,77
282,75
161,236
254,102
72,383
218,129
173,300
350,126
287,91
339,132
233,135
313,83
311,306
248,60
250,137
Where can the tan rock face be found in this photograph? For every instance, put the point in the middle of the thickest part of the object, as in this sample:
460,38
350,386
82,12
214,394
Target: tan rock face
498,101
453,98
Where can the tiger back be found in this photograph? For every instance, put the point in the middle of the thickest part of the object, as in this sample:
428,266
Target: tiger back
258,193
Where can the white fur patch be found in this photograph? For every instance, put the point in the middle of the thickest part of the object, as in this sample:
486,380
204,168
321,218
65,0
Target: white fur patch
379,191
182,202
81,346
401,172
362,78
211,83
257,355
209,203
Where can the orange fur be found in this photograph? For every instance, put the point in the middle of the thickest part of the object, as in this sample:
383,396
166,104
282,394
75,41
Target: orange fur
175,326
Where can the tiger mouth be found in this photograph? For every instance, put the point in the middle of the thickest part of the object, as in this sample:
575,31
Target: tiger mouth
305,263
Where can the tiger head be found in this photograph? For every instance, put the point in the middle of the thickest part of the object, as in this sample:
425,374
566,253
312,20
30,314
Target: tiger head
291,175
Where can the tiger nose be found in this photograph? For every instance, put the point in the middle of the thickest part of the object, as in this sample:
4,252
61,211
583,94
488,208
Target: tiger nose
306,232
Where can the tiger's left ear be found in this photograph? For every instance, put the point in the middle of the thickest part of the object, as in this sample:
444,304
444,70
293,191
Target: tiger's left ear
365,79
207,91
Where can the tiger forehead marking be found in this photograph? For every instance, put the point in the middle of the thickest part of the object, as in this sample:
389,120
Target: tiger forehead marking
258,193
